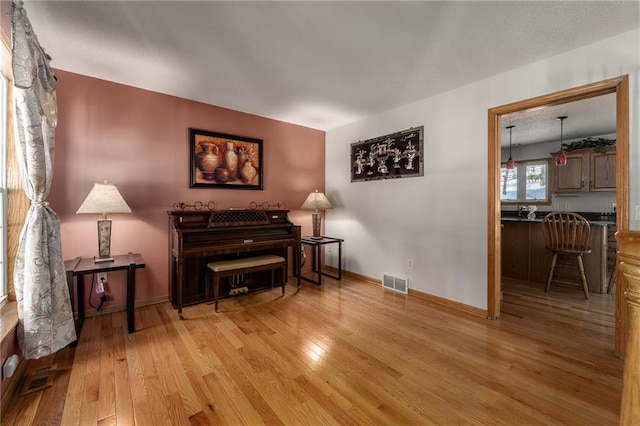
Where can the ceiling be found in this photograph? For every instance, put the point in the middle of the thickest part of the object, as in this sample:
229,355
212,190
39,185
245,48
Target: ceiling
586,118
320,64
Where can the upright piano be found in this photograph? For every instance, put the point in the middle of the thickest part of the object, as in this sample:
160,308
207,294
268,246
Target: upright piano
199,237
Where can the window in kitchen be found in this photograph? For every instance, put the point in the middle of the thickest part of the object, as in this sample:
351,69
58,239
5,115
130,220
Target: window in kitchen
528,182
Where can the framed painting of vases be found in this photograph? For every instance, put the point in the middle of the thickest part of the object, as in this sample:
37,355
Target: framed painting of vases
219,160
391,156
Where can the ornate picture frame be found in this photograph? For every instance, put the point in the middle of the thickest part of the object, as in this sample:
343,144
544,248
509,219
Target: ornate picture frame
391,156
220,160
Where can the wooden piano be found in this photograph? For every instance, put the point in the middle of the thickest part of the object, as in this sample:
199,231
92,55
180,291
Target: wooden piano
199,237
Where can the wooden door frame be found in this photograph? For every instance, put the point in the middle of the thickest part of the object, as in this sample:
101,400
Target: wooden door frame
617,85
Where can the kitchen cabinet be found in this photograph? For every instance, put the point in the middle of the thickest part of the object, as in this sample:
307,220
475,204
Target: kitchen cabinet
525,258
586,171
572,177
515,250
603,171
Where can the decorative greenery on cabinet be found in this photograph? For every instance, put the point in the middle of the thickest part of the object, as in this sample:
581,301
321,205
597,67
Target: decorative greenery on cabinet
598,144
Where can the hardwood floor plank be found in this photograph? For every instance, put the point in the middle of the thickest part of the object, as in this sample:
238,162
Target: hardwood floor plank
22,411
106,382
91,391
89,413
365,402
180,364
142,414
317,412
176,409
159,354
153,390
135,372
201,401
230,330
122,380
342,353
204,360
52,401
246,397
280,396
75,389
314,388
234,407
111,420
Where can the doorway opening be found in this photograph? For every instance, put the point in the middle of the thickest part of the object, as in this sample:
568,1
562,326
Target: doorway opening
619,86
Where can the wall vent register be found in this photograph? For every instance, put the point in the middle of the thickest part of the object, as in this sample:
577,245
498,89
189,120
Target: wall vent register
398,284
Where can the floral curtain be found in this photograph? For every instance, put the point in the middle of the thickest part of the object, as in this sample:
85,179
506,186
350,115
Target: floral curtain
45,315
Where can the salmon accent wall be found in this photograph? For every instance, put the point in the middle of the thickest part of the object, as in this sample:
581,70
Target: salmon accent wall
138,140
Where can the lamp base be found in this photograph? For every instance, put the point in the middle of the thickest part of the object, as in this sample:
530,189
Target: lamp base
317,220
104,241
102,259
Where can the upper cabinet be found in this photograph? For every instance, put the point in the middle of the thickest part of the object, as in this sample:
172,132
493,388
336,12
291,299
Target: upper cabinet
587,171
573,176
603,171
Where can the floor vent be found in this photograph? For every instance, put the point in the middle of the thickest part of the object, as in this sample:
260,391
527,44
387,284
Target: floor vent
39,379
395,283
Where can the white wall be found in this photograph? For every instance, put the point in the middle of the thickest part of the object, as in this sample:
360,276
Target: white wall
440,220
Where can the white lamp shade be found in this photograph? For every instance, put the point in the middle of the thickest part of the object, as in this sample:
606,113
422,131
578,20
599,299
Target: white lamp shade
104,198
316,201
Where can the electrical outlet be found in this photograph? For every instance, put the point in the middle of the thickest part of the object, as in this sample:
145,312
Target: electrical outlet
410,263
102,279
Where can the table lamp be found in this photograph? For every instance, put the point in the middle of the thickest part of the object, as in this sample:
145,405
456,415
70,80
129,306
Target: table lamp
316,201
102,199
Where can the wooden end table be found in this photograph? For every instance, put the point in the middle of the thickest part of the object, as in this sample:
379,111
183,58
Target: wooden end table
79,267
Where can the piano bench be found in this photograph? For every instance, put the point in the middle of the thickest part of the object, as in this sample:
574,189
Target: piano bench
226,268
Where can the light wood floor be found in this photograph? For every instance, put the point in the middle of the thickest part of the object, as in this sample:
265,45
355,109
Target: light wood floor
343,353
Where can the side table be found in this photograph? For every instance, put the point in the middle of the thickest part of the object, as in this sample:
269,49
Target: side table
79,267
316,255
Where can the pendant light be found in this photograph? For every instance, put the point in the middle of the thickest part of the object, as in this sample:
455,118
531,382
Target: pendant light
561,157
510,163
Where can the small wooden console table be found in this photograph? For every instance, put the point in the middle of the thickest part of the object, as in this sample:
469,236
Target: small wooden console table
79,267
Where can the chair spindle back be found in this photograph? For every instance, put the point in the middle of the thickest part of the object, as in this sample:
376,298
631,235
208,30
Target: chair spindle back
566,231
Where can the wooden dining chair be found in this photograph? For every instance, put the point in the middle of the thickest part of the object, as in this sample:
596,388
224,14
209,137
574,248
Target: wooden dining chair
567,233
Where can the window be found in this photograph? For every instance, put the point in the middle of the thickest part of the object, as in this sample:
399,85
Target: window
527,183
3,189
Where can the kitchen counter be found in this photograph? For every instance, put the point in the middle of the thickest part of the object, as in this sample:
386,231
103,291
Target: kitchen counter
524,256
595,219
539,220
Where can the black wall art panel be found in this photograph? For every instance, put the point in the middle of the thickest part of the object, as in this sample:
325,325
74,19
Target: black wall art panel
390,156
